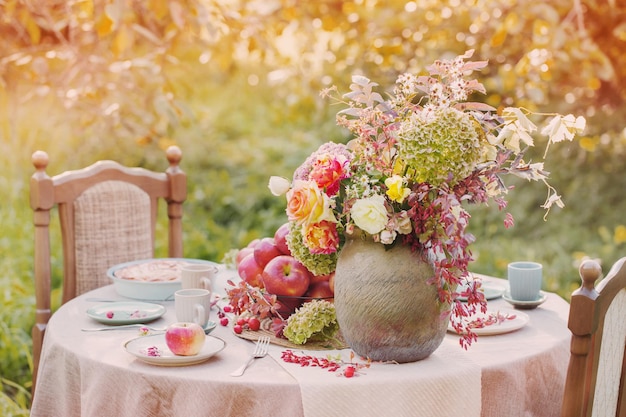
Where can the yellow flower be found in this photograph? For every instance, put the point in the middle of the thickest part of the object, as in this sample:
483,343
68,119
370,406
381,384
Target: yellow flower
395,189
620,234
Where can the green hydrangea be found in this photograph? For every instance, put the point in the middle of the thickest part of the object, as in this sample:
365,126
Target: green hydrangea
315,320
435,143
318,264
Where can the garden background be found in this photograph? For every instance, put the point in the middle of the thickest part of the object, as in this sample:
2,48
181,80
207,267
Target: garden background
236,85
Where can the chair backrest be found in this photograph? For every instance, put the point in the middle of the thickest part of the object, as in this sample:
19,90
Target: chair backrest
596,377
108,215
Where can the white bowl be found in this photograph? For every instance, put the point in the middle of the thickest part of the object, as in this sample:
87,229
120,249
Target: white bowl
148,290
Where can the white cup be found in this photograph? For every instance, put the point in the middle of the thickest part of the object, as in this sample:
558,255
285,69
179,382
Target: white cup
193,305
198,276
525,279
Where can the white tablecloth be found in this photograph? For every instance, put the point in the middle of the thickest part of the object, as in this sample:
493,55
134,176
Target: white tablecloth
90,374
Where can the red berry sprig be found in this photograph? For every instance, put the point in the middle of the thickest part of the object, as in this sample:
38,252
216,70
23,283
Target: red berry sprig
243,322
221,314
351,369
246,323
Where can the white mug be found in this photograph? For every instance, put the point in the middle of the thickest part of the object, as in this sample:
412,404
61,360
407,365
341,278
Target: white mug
525,279
198,276
193,305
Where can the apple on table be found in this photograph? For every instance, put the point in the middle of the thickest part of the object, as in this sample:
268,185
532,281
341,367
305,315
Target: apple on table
185,339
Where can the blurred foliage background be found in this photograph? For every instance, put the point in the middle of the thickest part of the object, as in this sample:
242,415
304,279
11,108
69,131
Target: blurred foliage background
236,85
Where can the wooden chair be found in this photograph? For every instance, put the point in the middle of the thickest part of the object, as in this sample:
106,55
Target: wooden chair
596,377
108,215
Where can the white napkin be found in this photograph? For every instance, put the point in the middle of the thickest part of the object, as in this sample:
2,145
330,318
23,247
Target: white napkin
443,384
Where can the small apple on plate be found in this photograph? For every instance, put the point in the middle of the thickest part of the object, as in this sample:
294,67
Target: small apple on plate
285,275
185,339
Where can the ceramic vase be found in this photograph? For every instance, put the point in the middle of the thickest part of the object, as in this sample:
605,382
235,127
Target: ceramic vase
386,308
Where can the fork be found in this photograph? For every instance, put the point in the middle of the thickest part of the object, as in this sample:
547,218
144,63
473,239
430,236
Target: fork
124,327
260,350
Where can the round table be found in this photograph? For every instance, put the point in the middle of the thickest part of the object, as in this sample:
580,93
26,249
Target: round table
90,373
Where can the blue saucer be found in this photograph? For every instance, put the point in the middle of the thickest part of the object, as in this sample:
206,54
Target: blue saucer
210,326
525,305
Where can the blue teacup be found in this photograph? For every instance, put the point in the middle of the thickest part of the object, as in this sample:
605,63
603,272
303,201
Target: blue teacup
525,279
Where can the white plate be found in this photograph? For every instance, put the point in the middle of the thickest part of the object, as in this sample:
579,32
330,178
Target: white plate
525,305
139,347
490,290
126,312
515,321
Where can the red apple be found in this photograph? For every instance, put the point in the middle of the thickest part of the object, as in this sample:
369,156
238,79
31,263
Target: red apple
242,254
284,275
331,282
320,290
280,239
185,339
320,278
250,271
253,243
265,251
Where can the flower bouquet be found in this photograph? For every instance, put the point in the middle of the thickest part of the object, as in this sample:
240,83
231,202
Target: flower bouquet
416,160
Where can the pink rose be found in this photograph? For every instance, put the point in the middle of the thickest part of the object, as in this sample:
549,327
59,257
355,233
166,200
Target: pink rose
328,170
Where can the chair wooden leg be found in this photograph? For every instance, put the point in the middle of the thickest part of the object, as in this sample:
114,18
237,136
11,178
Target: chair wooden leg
38,333
621,407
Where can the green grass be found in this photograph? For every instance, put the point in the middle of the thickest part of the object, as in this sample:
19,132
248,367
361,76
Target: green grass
17,313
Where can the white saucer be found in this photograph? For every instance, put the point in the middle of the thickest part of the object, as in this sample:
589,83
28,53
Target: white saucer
525,305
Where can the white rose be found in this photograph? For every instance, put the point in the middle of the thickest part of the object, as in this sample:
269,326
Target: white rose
278,185
387,237
370,214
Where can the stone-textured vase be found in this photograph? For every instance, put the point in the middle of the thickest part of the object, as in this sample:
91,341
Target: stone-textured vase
386,309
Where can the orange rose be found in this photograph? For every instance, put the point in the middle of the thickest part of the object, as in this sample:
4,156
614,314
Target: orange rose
307,204
321,237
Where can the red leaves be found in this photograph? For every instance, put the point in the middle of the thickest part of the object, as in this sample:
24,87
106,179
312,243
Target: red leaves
350,370
244,297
